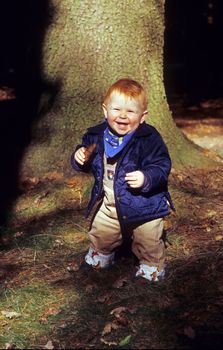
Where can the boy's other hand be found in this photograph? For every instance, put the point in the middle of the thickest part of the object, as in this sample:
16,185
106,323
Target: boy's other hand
79,155
135,179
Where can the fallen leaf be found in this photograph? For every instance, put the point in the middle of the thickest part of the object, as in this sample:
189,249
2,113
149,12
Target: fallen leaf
63,325
109,327
186,251
39,199
49,312
73,266
189,332
10,314
46,266
119,283
109,343
180,177
125,341
19,234
103,298
49,345
58,243
168,224
211,213
35,180
30,182
52,176
218,237
73,182
117,311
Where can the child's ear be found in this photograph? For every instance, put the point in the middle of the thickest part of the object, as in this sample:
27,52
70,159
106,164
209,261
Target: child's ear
105,110
143,117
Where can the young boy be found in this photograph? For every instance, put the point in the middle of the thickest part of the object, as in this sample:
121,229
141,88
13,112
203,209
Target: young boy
131,164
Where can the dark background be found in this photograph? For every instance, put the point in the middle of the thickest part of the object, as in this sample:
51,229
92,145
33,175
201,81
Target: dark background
193,53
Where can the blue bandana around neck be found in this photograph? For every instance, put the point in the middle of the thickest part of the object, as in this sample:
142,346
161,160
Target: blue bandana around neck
113,144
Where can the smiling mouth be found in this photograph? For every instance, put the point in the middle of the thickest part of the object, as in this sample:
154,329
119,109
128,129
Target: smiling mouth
122,126
121,123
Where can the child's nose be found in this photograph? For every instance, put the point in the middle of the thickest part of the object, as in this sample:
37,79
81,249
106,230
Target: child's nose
123,114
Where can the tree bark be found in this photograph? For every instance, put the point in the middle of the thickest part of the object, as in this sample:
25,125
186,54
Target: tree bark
88,46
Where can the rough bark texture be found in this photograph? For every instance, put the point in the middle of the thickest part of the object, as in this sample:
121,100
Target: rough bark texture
89,45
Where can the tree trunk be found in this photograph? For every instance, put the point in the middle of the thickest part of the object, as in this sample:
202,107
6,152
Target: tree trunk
88,46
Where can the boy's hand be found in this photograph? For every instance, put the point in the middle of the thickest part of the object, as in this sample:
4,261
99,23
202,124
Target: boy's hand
79,156
83,154
135,179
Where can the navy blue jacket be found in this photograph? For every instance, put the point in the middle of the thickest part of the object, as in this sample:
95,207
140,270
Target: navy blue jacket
147,152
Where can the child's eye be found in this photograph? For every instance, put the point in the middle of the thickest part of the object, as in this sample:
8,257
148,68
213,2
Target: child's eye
130,111
116,109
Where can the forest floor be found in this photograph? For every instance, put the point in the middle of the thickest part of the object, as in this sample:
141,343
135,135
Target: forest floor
45,305
202,123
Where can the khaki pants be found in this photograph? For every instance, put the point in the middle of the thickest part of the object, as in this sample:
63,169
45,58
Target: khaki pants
105,234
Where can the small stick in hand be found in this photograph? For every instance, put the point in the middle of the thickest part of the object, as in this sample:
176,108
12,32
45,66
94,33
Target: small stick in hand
89,150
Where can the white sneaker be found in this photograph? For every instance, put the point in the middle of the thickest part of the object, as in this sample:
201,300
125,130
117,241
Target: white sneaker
99,260
151,273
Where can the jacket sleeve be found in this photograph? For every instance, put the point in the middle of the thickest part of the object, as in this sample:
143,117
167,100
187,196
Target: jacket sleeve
86,141
156,165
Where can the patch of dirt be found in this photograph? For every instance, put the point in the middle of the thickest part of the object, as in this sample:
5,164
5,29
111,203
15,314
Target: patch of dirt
206,133
202,123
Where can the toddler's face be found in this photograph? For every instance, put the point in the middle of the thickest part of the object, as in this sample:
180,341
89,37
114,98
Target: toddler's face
124,114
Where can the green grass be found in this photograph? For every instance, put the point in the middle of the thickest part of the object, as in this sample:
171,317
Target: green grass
31,302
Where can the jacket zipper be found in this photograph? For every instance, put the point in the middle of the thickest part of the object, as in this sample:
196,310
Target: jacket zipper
101,152
117,205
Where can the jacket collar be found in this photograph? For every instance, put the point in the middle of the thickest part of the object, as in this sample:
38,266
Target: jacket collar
97,129
143,129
